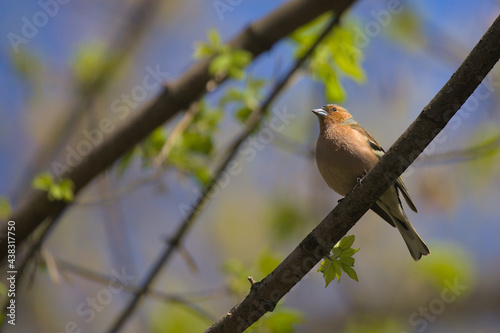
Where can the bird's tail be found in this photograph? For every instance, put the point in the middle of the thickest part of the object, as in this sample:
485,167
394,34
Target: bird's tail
415,244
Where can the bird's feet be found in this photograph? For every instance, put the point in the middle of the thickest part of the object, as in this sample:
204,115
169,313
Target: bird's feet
360,178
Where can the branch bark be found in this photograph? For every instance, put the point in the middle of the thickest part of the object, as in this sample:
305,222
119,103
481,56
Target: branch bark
176,96
264,295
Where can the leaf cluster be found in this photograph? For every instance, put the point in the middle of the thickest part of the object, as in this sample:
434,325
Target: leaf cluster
227,61
62,190
339,260
337,56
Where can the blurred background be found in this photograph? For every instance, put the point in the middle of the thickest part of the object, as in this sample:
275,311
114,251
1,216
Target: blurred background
60,78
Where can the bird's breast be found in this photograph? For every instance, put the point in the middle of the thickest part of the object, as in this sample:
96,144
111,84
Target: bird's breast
341,160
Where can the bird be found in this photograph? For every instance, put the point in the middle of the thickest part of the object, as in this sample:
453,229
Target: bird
345,152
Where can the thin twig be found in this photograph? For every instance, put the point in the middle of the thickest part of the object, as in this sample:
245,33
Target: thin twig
287,144
252,124
454,156
159,161
33,248
154,293
462,155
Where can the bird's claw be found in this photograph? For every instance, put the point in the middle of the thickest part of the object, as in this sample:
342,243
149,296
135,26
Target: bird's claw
360,178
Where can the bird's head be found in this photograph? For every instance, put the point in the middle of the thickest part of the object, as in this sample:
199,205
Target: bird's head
331,115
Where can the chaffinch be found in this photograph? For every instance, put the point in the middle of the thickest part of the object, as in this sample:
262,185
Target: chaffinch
345,152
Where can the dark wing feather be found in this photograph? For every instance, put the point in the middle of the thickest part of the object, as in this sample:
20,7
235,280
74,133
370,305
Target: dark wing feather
401,186
380,212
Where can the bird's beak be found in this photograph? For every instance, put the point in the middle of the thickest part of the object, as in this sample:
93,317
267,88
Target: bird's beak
319,112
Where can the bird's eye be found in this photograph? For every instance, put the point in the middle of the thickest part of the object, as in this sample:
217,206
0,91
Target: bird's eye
333,109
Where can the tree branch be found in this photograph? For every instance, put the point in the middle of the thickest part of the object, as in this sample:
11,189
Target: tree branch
264,295
252,125
176,96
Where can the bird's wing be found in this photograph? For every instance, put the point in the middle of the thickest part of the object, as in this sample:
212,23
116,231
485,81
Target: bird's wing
379,151
401,186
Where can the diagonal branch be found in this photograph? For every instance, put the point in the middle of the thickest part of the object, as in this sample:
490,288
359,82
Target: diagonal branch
264,295
252,125
257,38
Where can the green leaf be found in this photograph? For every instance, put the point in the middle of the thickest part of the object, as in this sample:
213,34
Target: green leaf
153,144
125,161
236,73
335,252
202,50
230,62
349,261
42,181
232,95
198,142
337,269
350,272
347,252
89,61
214,38
67,188
243,114
5,208
220,64
244,100
241,58
62,190
335,57
333,88
203,175
346,242
346,55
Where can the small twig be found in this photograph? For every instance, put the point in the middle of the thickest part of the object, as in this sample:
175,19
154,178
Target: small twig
285,143
174,135
121,191
158,163
454,156
187,258
252,280
33,248
462,155
157,294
